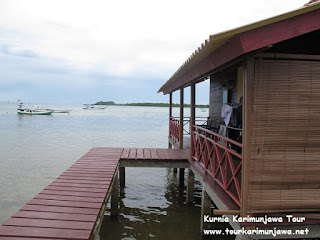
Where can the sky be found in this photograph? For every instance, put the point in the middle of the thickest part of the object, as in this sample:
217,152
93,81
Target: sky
84,51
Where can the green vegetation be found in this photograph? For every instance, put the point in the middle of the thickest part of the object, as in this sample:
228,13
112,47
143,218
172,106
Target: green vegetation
105,103
148,104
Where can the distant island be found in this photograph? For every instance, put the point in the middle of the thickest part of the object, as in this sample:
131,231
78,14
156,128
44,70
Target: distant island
147,104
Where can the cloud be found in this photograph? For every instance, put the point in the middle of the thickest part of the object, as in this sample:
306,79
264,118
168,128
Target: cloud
11,50
77,47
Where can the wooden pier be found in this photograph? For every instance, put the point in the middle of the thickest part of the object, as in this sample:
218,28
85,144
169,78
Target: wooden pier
73,205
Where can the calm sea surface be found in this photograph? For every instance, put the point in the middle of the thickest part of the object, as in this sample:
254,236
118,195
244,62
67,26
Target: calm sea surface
34,150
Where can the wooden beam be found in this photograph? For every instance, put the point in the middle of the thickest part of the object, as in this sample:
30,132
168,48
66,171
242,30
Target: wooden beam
190,186
115,197
287,56
156,163
181,118
280,31
122,176
170,107
247,132
170,116
205,209
181,177
192,115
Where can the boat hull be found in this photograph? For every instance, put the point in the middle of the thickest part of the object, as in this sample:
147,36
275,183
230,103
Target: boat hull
34,113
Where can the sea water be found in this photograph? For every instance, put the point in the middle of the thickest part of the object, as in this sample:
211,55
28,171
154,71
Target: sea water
34,150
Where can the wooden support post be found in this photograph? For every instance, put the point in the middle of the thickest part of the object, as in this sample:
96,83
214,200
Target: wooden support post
181,119
190,186
115,197
181,177
170,116
192,116
181,172
170,106
205,209
247,132
122,176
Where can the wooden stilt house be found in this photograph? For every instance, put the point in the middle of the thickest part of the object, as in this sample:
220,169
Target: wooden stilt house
269,161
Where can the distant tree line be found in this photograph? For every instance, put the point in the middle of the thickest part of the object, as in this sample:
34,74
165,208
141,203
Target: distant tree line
148,104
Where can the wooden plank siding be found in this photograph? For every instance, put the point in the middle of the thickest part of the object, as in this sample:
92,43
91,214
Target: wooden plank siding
70,207
285,138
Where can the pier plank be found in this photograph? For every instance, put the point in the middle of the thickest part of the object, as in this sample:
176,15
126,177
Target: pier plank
55,209
94,182
146,154
133,153
27,222
74,193
77,189
139,153
79,177
44,232
78,173
69,198
154,154
78,185
161,154
19,238
125,153
64,203
55,216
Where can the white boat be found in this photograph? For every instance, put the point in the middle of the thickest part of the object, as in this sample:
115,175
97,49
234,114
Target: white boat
92,107
37,111
39,108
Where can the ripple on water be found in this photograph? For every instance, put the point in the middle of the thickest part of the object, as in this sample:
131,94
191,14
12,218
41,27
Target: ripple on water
36,149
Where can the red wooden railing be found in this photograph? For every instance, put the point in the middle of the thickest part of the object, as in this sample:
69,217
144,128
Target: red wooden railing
217,156
174,130
174,127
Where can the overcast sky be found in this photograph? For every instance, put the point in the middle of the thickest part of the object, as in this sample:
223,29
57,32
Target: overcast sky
76,51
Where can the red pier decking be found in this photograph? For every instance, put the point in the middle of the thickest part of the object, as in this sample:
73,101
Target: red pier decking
72,206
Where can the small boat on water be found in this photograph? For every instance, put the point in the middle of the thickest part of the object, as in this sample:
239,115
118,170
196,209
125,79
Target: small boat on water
92,107
37,111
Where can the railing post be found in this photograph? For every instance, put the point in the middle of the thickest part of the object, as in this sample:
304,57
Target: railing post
181,119
192,117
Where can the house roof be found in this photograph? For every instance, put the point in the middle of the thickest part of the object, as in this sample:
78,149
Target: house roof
223,47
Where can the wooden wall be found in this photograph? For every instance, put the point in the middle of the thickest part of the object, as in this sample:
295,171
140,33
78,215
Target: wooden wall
228,79
215,102
285,141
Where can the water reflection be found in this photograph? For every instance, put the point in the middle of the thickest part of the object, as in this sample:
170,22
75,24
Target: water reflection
154,209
